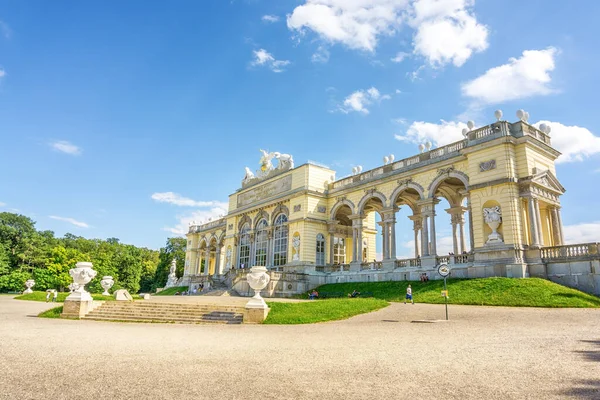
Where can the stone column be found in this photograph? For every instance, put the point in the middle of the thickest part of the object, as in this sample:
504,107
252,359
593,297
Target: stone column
417,223
556,229
533,226
359,243
454,235
218,260
463,245
393,237
561,234
433,250
331,225
252,249
206,261
539,222
424,236
354,235
384,252
269,261
470,211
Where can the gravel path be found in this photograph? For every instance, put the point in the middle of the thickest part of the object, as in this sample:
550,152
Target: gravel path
482,353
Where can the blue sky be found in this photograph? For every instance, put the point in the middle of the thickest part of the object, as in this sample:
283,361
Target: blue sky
108,107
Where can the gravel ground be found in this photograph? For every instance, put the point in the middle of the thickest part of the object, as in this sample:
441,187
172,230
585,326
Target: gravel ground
481,353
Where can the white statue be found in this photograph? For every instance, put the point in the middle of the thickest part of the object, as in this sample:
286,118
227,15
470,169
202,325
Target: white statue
265,163
29,283
286,161
493,217
249,176
296,246
82,274
258,279
172,280
107,282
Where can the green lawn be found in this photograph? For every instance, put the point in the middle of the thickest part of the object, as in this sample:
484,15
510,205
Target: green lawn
51,313
171,291
41,296
320,311
530,292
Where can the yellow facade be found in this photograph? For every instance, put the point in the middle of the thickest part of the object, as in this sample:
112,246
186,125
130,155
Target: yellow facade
500,177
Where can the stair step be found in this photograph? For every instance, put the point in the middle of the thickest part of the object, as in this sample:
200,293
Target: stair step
165,320
148,316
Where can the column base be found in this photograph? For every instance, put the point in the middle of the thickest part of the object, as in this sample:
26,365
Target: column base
256,311
76,308
355,266
429,262
388,265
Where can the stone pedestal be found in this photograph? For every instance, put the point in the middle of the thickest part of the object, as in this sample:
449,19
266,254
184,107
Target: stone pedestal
428,262
388,265
255,315
76,308
355,266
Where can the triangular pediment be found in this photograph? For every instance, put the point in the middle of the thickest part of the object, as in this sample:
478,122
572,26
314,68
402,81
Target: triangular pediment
548,181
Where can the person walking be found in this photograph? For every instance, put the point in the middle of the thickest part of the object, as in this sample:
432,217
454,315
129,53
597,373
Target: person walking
54,295
409,295
48,295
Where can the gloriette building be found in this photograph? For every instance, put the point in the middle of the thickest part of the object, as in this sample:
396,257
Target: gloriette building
310,228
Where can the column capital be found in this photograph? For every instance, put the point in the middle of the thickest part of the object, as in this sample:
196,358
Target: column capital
427,206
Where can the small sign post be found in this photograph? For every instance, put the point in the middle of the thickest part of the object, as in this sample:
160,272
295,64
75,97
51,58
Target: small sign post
444,271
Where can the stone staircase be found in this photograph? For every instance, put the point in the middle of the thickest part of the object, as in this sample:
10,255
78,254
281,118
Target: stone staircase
140,311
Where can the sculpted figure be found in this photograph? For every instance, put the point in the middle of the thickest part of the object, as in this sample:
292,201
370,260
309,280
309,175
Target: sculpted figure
286,161
249,176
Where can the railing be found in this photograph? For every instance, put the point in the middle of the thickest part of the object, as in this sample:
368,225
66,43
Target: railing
208,225
461,258
536,133
373,266
442,259
402,164
410,262
572,251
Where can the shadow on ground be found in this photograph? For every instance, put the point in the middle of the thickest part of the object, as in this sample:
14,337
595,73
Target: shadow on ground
588,388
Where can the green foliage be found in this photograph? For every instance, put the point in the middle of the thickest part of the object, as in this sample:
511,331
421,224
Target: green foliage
26,253
51,313
320,310
530,292
171,291
41,296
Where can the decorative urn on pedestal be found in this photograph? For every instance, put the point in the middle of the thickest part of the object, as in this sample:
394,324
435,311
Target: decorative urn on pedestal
29,283
82,274
258,279
107,282
493,218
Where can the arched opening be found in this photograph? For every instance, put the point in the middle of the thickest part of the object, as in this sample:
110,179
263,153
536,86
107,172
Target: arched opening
452,236
280,240
244,250
201,259
371,240
408,222
261,243
341,235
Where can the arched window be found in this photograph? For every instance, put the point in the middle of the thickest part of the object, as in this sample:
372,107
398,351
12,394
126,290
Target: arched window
320,249
244,246
262,239
280,241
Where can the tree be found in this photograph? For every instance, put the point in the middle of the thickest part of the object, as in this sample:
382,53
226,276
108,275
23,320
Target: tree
175,248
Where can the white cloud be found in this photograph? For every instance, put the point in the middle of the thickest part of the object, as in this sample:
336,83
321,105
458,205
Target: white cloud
522,77
398,91
359,100
321,55
401,56
264,58
2,73
195,217
178,200
582,233
2,204
270,18
445,30
66,147
354,23
574,142
71,221
439,134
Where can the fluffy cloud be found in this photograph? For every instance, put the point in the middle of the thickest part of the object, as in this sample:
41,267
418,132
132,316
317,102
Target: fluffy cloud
178,200
2,204
354,23
321,55
522,77
574,142
2,73
445,30
266,59
270,18
66,147
439,134
359,100
581,233
214,209
71,221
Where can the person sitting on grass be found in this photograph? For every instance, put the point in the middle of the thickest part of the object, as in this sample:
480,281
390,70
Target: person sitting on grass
313,295
354,294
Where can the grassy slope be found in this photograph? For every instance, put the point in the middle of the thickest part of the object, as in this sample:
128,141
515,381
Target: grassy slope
172,291
41,296
51,313
320,311
531,292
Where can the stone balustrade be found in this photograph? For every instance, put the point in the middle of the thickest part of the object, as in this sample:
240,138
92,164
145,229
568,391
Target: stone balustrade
571,251
209,225
409,262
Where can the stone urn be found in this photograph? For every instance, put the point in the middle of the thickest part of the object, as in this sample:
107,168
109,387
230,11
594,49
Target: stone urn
107,282
29,283
82,274
72,287
493,218
258,279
